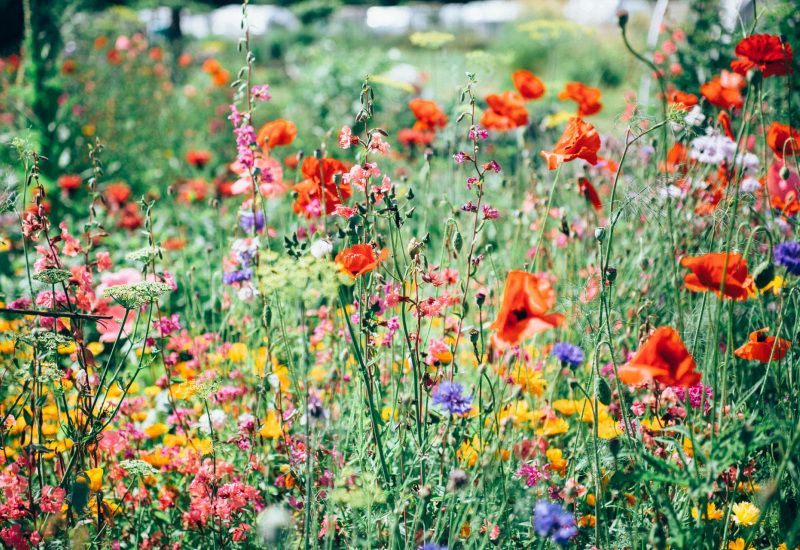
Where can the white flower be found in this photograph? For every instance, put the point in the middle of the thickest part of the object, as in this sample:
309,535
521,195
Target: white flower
218,419
750,185
695,116
712,149
247,293
321,248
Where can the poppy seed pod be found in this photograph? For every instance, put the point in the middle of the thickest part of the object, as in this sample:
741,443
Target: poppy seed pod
785,173
428,155
600,234
318,154
763,274
474,335
615,447
622,18
754,77
611,274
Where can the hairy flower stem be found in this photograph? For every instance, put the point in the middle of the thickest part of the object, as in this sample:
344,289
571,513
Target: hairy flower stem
539,250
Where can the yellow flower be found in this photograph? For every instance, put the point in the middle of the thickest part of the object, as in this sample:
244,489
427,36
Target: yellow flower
95,347
556,462
553,427
93,478
238,352
173,440
711,512
745,513
272,427
156,429
738,544
607,428
531,380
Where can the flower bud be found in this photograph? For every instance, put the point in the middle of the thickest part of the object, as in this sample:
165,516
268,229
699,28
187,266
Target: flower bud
318,154
763,274
611,274
600,234
785,173
622,18
474,335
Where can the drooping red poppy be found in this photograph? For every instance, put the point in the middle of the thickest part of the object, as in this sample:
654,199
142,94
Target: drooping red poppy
762,52
276,133
663,358
428,114
709,270
788,204
310,189
526,300
725,121
359,259
506,111
528,86
589,192
778,139
588,99
579,140
760,346
722,96
682,99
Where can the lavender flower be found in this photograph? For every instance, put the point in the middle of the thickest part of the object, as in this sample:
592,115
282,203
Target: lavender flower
568,354
788,255
550,519
231,277
246,220
432,546
449,396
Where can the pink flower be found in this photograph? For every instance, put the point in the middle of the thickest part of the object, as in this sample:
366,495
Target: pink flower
52,498
112,442
376,144
572,490
261,92
345,134
344,211
104,261
669,47
109,328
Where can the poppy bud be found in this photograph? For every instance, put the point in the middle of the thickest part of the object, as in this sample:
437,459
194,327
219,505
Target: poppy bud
266,316
337,178
785,173
763,274
644,264
600,234
473,336
458,241
428,155
410,194
171,191
754,77
480,298
611,274
614,446
300,155
746,435
318,154
622,18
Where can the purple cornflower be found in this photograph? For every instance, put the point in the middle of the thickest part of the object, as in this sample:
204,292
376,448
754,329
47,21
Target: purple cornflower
432,546
245,139
568,353
550,519
231,277
261,92
531,473
470,207
478,132
449,396
490,212
246,220
788,255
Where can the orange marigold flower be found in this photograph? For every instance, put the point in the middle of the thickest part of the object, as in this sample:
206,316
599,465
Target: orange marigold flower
709,270
783,139
587,190
526,300
506,111
763,52
359,259
588,99
528,86
662,358
721,96
311,188
276,133
760,346
580,140
428,114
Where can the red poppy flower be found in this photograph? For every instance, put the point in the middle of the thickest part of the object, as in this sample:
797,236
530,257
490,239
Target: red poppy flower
763,52
69,181
721,96
311,188
506,111
760,346
662,358
528,86
778,140
410,136
587,190
709,270
428,114
725,121
526,300
681,98
359,259
788,204
118,192
588,99
276,133
580,140
198,158
677,159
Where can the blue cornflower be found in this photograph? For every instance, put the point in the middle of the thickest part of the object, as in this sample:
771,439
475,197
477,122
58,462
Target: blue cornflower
246,220
550,519
231,277
788,255
449,396
432,546
568,353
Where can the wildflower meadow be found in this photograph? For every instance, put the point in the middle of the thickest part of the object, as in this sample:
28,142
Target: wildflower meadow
317,288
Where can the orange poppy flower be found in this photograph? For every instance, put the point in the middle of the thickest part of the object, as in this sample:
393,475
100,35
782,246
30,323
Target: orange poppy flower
725,121
580,140
359,259
788,205
588,99
708,272
528,86
428,114
681,98
276,133
198,158
677,159
506,111
721,96
662,358
310,189
759,348
779,135
763,52
587,190
526,300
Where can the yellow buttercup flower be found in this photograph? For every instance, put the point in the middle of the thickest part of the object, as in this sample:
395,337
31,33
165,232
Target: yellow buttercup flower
745,514
556,462
553,426
237,353
156,429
